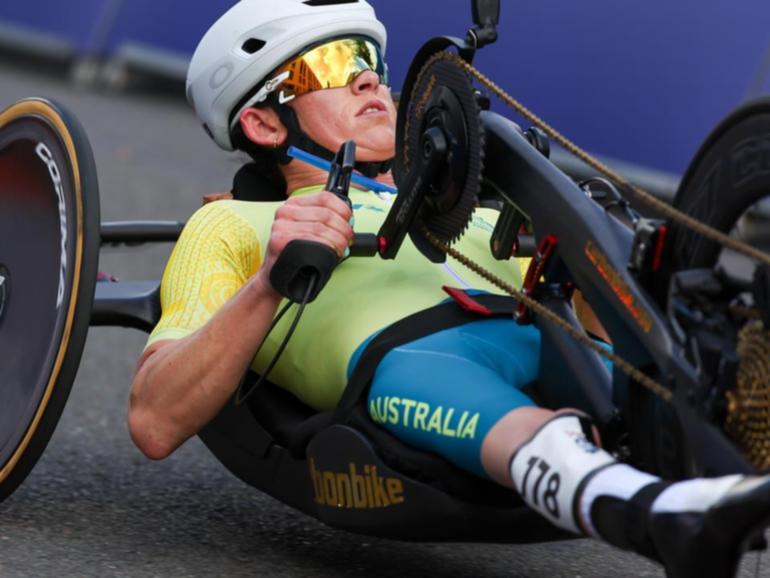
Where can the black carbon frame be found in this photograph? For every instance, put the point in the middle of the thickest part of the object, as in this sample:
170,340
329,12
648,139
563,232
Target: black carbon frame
556,205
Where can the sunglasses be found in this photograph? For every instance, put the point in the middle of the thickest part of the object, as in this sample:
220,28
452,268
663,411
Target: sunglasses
333,64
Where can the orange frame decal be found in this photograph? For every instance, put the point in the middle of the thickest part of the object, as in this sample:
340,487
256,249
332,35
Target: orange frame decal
618,286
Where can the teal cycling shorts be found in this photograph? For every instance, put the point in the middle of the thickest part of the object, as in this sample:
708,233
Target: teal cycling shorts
444,392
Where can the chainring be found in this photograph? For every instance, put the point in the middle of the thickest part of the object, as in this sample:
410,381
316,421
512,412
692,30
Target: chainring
442,96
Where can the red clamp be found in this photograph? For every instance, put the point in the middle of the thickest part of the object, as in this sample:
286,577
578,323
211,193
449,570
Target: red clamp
540,259
466,301
659,244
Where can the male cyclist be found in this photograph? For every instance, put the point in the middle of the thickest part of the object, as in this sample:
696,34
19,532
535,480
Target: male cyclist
270,74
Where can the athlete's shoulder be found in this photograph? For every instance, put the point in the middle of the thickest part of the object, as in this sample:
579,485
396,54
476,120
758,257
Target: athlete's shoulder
228,218
222,209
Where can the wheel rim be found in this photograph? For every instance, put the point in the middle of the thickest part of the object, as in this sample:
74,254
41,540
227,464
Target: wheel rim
42,246
751,227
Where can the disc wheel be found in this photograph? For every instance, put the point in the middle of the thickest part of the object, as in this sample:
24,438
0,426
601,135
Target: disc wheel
49,243
727,186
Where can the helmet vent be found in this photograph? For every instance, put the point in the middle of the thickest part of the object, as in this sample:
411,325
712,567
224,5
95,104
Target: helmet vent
252,45
328,2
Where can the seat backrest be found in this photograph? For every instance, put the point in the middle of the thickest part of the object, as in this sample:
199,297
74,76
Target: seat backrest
255,182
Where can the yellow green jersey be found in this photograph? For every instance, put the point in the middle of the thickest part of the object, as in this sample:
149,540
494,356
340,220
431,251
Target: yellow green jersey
224,243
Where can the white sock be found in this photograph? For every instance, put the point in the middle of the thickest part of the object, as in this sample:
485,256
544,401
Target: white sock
549,469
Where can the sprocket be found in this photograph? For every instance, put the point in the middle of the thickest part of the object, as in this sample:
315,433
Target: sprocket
442,96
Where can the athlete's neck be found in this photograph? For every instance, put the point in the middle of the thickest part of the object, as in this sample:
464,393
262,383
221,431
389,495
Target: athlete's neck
299,175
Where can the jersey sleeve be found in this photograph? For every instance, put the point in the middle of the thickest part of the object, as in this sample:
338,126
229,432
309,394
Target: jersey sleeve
215,255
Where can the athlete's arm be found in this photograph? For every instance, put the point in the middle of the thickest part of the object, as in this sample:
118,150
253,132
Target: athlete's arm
181,384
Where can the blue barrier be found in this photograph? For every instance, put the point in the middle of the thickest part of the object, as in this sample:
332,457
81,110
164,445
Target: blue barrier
643,81
70,24
169,25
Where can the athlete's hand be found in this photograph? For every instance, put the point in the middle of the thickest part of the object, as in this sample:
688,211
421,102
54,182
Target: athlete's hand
321,217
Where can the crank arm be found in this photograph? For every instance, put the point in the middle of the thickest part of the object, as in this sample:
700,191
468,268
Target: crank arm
402,214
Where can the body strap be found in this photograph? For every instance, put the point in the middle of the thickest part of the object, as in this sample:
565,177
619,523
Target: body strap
421,324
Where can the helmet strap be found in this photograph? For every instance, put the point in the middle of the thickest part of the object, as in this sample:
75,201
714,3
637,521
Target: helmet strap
296,137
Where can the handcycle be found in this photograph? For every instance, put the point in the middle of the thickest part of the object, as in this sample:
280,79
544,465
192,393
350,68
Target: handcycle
341,468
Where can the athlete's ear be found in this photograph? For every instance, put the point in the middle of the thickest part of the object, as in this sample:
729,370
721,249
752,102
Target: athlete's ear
263,127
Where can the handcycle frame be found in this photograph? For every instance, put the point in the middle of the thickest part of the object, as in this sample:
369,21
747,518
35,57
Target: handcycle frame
352,474
592,253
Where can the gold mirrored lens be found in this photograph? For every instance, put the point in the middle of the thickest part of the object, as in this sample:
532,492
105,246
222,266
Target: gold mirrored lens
332,65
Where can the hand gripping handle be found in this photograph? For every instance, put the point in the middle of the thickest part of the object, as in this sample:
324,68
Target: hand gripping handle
303,267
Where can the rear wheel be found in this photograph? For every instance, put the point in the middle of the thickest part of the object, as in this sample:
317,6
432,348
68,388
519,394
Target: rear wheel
728,187
49,243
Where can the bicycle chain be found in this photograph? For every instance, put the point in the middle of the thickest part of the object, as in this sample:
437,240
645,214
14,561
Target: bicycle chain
663,208
624,365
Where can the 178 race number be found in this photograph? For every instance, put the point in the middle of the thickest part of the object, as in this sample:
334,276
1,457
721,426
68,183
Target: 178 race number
538,469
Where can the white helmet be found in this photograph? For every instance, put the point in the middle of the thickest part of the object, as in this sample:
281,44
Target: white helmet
253,38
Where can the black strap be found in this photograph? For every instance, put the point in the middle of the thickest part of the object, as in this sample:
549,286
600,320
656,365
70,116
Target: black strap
296,137
637,519
420,324
442,316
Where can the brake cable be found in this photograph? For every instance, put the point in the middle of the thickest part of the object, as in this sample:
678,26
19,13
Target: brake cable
245,391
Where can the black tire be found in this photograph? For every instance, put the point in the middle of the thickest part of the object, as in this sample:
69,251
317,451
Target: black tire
729,174
49,249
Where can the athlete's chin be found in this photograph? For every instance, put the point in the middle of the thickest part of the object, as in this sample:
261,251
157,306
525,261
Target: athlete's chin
375,154
376,145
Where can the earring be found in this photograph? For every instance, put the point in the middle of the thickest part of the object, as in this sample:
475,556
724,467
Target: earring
275,142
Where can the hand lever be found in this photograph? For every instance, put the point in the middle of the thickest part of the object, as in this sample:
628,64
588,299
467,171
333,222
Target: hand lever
340,174
303,267
340,171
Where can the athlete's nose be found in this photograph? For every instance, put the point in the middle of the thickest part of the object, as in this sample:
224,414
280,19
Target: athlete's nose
367,81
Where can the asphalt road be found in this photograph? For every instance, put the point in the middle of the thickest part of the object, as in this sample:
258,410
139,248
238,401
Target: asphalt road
94,506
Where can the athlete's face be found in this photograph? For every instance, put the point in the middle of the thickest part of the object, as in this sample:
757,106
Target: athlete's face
362,111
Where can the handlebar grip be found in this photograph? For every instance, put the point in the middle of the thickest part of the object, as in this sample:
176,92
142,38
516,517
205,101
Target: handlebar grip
365,245
296,267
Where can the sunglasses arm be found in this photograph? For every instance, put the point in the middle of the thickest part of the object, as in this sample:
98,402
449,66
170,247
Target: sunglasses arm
262,94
